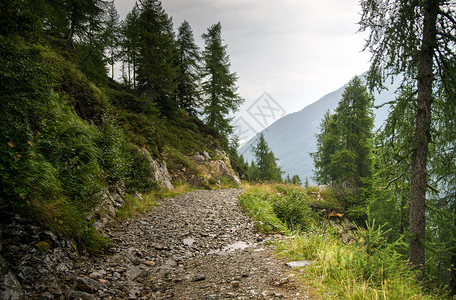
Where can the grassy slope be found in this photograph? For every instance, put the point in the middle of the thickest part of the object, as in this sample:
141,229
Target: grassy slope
65,142
367,268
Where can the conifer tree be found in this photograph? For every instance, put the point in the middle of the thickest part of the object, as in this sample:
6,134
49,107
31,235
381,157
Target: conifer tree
111,34
296,180
327,145
188,73
417,40
156,73
219,84
287,179
344,147
266,162
252,171
130,47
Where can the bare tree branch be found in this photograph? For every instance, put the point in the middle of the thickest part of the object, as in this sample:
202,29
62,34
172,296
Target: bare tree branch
389,182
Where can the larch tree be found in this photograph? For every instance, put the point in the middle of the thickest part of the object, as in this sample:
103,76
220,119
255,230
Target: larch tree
77,18
219,84
111,34
130,47
265,161
156,73
442,167
188,69
344,145
327,146
416,39
344,148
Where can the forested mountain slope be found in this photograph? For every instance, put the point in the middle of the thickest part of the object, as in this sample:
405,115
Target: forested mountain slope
292,137
74,143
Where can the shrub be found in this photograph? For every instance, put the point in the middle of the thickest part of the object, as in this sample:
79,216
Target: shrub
255,201
292,207
140,173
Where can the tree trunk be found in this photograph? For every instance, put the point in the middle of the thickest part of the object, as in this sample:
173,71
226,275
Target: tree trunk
452,281
72,28
421,140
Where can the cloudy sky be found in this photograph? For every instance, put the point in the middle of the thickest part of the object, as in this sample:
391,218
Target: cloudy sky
294,50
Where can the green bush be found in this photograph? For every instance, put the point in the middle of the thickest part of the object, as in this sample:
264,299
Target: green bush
143,131
140,173
127,101
255,201
114,148
292,207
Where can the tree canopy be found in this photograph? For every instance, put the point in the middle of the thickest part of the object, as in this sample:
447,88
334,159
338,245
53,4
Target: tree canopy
219,84
417,40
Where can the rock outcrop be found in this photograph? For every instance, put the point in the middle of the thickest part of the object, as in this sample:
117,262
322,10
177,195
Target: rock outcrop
33,260
213,170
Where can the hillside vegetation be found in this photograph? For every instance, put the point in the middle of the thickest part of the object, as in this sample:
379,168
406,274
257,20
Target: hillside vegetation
343,261
72,138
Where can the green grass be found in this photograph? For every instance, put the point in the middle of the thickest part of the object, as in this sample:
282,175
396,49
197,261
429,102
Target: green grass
134,206
256,201
368,268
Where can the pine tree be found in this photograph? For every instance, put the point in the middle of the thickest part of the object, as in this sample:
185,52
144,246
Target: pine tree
442,167
188,74
296,180
344,147
253,172
392,176
219,84
327,145
415,39
266,163
130,47
155,73
111,34
287,179
355,122
76,19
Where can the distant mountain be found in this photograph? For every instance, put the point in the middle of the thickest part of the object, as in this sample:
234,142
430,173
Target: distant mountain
292,137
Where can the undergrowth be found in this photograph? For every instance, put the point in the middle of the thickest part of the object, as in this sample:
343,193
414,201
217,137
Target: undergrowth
368,268
135,206
66,142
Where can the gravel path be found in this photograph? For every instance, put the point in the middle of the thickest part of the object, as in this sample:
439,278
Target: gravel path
198,245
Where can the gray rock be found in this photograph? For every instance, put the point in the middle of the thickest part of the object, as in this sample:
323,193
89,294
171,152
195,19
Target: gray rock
161,174
87,285
12,289
207,156
78,295
198,277
199,159
188,242
297,264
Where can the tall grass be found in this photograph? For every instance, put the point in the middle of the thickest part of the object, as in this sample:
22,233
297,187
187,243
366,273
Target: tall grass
256,202
369,268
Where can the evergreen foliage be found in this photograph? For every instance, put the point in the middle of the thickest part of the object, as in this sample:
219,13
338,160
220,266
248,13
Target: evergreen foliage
130,47
156,74
344,148
188,75
415,39
219,84
265,166
111,34
69,134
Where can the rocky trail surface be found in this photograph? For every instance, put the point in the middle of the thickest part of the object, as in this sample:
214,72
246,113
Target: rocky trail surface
198,245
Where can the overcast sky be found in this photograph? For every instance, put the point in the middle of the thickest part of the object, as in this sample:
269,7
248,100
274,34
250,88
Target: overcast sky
294,50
